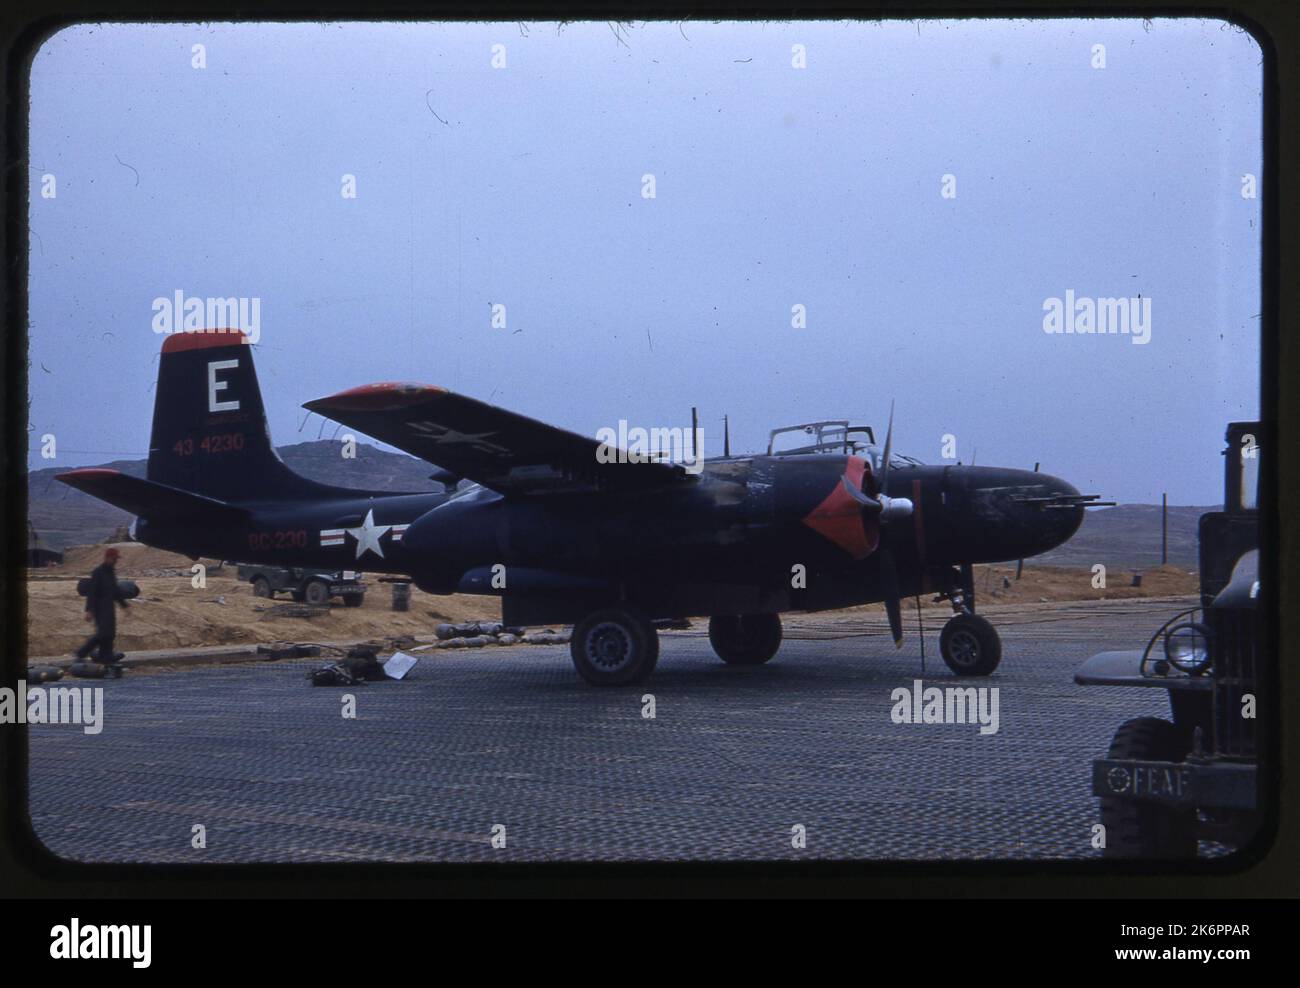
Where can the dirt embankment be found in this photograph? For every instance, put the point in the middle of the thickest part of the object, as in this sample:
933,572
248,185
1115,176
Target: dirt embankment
1049,584
172,613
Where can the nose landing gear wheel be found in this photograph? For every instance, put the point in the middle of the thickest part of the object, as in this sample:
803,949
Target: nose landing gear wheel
614,647
745,639
970,645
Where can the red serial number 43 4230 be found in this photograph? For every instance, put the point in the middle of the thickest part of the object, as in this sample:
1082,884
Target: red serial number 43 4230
224,442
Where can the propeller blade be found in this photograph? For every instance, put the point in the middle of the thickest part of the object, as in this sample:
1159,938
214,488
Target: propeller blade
892,601
889,441
894,609
869,503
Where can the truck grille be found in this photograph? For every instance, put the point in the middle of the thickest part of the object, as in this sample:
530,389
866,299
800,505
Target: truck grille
1235,646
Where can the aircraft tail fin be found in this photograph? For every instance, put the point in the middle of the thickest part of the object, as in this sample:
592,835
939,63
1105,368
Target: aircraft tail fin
210,435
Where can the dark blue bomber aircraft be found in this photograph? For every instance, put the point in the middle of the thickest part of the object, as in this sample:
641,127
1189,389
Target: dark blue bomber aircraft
563,535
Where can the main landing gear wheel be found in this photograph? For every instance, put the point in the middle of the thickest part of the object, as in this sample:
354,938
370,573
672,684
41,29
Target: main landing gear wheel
614,647
745,639
970,645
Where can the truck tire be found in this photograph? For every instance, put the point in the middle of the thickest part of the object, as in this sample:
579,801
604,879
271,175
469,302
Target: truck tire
317,593
1136,829
353,600
261,587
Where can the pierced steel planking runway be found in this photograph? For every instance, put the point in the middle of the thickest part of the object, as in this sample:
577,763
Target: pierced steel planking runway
474,738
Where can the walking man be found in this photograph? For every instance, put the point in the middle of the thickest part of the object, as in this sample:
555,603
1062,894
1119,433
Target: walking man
101,594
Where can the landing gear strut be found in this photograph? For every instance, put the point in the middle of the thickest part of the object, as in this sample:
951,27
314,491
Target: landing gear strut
970,645
615,646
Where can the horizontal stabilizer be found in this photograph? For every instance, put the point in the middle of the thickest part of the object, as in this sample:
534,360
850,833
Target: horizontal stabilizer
148,498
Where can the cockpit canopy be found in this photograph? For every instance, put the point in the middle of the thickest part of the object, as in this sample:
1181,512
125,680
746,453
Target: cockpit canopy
834,436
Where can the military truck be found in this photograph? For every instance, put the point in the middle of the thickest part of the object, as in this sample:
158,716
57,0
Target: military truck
1166,784
309,586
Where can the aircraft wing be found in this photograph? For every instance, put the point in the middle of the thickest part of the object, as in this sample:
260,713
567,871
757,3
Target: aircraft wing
507,452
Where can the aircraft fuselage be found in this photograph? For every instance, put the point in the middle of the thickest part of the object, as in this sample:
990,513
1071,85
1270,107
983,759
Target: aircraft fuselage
763,533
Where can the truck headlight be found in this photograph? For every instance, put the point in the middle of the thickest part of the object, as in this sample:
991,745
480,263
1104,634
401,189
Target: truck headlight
1187,647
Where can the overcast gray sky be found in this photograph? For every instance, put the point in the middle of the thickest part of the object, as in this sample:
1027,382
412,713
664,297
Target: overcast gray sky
776,186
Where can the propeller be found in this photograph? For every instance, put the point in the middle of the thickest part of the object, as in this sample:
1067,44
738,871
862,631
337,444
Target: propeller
887,510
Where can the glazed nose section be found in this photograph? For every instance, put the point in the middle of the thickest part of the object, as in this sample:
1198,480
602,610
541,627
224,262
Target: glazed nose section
1014,514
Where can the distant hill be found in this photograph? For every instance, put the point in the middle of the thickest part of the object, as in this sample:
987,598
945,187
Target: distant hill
1129,536
1125,536
63,516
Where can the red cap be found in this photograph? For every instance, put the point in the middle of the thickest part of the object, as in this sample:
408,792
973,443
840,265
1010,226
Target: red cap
111,553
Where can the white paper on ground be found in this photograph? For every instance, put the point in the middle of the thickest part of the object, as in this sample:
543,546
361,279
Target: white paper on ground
398,665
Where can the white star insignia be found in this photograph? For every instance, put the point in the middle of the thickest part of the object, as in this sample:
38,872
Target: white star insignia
368,535
441,434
